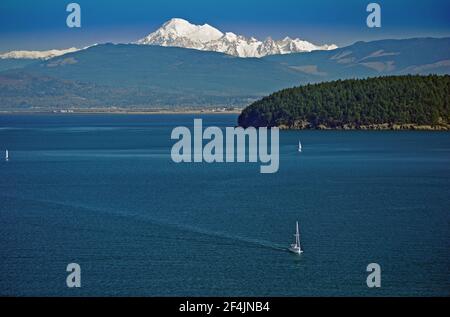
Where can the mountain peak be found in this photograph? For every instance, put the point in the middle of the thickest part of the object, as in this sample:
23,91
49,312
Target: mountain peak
175,24
181,33
176,21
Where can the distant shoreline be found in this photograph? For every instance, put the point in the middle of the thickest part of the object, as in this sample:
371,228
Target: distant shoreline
120,112
371,127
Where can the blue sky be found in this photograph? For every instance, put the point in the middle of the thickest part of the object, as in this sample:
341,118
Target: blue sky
40,24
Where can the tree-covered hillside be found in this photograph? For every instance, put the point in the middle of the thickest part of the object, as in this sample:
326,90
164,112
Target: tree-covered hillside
364,103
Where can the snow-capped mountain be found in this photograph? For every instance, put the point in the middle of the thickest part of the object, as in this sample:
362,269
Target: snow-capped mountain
37,54
180,33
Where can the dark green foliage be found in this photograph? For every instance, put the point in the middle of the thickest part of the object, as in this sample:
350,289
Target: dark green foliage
422,100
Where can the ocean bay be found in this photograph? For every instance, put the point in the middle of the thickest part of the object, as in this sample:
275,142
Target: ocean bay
102,191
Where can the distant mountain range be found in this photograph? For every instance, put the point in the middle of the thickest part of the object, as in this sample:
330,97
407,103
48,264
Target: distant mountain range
368,59
37,54
181,33
132,75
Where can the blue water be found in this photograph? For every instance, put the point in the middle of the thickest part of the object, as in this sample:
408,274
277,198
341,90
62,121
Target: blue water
102,191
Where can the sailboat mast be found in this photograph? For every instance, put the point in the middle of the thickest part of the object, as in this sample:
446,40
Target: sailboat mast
296,248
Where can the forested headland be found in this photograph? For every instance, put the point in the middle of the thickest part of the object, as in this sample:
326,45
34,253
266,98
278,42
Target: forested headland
395,102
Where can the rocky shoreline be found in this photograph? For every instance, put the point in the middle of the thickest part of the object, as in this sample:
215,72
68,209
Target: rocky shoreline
303,125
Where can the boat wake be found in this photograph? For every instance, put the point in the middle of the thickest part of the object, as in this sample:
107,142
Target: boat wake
249,242
227,239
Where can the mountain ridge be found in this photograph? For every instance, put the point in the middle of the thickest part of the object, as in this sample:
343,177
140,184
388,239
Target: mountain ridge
181,33
147,76
178,32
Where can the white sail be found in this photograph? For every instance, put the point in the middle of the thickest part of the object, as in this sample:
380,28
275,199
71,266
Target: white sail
296,248
6,155
299,146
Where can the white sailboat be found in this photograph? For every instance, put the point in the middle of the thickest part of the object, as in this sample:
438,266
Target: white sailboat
6,155
296,248
299,146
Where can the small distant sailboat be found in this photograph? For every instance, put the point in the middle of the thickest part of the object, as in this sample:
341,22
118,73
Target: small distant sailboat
296,248
6,155
299,146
